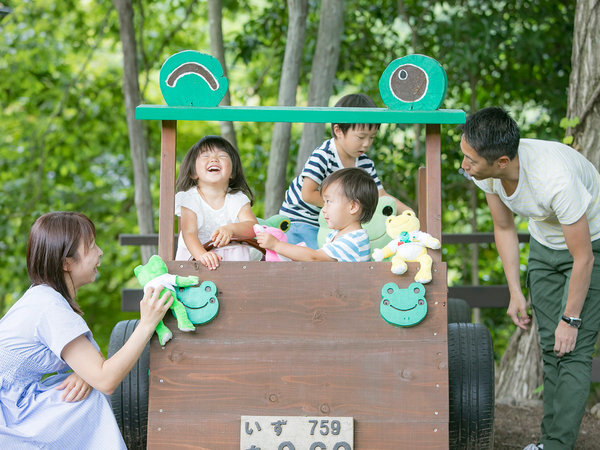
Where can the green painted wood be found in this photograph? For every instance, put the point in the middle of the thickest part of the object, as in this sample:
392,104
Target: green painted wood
297,114
191,78
414,82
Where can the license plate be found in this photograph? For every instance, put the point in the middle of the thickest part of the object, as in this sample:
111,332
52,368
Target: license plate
296,433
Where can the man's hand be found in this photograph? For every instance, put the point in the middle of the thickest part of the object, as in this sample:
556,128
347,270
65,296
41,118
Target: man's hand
517,311
565,337
75,389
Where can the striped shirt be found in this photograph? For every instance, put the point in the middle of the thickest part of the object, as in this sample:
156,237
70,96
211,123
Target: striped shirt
557,186
350,247
322,163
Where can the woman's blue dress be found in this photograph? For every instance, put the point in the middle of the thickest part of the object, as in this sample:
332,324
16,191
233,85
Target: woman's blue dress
33,334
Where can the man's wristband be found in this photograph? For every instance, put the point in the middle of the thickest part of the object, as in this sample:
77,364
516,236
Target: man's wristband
575,322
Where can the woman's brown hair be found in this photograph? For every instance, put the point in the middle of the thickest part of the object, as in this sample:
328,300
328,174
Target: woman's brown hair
55,237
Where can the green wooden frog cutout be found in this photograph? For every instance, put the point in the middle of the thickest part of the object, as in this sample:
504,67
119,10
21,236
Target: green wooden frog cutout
403,307
191,78
413,83
200,302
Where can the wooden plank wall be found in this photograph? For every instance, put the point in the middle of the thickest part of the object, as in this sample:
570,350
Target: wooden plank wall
303,339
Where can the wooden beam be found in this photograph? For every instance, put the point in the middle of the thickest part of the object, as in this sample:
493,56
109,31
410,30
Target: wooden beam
476,238
168,145
422,197
482,296
434,185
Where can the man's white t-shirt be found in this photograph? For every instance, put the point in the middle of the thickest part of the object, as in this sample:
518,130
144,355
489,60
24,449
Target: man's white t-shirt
557,186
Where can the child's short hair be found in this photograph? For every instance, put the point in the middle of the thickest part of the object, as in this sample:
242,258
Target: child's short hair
357,185
355,101
187,170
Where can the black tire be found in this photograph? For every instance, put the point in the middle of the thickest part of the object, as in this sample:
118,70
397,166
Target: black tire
459,311
471,386
129,401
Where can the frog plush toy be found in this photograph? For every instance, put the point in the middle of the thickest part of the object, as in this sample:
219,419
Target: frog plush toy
154,273
408,244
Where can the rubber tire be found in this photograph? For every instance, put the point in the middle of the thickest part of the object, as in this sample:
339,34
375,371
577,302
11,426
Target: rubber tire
129,401
459,311
471,386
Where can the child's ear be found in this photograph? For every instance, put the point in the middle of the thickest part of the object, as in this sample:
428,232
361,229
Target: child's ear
354,207
337,131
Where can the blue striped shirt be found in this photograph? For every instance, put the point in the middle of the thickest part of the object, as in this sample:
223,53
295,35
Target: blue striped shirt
322,163
350,247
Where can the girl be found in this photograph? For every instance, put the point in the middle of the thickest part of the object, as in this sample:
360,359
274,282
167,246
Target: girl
43,332
214,202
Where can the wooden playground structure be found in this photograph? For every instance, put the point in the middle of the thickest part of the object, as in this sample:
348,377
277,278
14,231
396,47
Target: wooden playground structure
307,339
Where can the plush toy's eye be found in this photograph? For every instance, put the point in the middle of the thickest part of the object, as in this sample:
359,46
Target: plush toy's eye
387,211
386,302
421,302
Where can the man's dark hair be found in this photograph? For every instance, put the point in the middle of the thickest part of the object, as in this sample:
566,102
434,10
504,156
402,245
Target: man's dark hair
357,185
355,101
492,133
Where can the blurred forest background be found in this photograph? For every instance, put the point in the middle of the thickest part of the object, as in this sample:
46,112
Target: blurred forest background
66,91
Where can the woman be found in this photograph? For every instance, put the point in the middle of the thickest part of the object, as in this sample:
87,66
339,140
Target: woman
44,332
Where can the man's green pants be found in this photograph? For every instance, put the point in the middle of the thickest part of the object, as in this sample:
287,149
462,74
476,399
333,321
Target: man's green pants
566,379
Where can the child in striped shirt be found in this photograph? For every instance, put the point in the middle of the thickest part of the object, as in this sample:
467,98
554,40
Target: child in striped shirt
347,148
349,199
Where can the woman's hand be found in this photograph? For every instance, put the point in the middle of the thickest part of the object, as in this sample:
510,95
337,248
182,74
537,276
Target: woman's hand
154,306
222,236
210,260
75,388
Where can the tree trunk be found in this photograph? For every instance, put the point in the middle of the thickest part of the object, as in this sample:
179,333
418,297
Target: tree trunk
290,74
322,74
584,83
217,48
520,372
137,139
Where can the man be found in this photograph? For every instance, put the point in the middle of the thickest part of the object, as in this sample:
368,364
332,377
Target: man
559,191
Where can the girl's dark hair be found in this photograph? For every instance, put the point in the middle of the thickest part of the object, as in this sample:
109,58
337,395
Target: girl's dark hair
355,101
357,185
492,133
55,237
187,171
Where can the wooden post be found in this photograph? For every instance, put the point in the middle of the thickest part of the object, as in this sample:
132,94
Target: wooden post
422,197
166,209
433,161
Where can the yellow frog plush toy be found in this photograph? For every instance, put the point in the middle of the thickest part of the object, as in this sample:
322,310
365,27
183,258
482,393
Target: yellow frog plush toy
408,244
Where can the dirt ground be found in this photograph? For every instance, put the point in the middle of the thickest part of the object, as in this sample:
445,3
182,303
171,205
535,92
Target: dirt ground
517,426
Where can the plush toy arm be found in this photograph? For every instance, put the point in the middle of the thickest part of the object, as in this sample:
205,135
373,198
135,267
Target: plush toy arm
379,254
430,241
186,281
166,280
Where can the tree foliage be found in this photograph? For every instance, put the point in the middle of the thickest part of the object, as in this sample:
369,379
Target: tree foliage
64,141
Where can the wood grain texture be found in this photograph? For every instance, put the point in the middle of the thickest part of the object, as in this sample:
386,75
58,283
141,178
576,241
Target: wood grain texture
303,339
166,205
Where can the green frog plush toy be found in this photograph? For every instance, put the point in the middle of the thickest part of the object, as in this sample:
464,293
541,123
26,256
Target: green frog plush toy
155,273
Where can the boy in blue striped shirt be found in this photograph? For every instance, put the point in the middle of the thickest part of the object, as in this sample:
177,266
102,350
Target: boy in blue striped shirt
347,148
349,199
